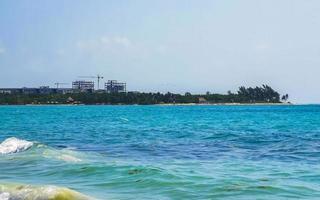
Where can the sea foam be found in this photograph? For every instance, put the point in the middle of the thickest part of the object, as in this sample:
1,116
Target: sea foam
22,192
14,145
4,196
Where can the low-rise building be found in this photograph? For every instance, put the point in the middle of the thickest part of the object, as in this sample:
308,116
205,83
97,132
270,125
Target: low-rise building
10,90
202,100
40,90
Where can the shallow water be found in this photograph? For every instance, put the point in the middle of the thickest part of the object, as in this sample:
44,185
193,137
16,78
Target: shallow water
167,152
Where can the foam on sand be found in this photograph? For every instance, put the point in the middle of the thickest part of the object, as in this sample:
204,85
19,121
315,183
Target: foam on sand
14,145
28,192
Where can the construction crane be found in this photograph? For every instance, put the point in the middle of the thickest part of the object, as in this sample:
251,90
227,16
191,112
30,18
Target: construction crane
98,77
58,84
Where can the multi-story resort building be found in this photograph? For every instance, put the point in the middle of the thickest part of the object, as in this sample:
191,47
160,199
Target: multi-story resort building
113,86
83,85
79,86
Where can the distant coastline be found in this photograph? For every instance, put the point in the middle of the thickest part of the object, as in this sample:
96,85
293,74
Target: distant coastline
227,104
166,104
264,95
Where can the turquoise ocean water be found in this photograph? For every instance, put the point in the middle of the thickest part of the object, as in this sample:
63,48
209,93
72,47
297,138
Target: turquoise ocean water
167,152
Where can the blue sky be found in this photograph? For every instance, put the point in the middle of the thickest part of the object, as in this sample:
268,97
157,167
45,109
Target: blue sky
164,45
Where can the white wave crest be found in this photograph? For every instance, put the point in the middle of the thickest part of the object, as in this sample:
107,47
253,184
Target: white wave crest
23,192
14,145
4,196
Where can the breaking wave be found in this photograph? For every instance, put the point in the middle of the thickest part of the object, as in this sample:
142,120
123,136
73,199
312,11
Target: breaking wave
22,192
14,145
22,152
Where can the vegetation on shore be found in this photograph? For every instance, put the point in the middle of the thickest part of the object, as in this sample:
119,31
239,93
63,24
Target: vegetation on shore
264,94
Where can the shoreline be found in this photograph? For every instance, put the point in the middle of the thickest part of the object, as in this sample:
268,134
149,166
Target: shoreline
226,104
162,104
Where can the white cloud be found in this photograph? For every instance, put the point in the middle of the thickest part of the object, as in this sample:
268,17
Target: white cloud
162,49
85,45
117,40
262,46
2,50
61,52
118,47
105,42
122,41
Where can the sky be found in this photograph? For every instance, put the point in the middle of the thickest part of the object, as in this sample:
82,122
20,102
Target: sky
164,45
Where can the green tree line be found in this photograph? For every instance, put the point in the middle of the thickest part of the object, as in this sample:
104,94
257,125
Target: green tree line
263,94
